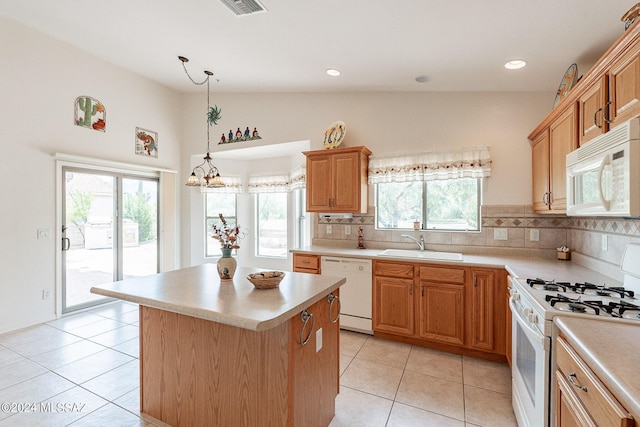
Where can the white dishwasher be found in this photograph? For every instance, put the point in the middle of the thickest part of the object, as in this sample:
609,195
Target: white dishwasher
355,294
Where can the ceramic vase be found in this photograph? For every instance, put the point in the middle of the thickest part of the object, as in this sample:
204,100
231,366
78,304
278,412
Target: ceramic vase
226,265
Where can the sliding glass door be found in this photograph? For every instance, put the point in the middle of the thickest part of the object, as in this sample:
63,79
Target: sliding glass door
110,232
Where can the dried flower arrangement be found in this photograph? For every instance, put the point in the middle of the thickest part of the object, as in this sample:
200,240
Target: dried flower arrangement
228,236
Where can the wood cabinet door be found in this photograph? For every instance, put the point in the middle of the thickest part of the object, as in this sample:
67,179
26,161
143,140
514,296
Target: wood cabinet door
318,183
314,372
569,410
593,111
483,310
540,172
393,306
624,86
441,312
345,184
562,140
306,263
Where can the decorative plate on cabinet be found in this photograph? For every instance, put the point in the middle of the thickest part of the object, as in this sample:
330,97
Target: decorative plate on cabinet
335,134
567,82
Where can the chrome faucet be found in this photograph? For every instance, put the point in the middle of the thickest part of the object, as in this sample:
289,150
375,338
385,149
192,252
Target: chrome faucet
420,242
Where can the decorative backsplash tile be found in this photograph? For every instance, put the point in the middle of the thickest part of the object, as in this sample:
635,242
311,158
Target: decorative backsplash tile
581,234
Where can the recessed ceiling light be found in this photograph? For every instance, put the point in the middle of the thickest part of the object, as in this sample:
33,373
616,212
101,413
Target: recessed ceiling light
333,72
422,79
515,64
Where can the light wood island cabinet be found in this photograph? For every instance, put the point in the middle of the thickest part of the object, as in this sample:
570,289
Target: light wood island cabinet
222,353
451,308
337,180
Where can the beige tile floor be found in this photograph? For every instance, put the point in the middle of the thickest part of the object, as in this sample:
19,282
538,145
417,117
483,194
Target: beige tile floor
83,370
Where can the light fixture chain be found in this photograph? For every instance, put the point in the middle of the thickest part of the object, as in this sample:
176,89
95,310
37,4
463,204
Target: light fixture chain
206,117
206,80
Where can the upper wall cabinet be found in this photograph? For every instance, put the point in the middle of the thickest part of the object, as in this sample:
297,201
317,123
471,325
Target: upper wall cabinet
549,152
337,180
624,86
607,95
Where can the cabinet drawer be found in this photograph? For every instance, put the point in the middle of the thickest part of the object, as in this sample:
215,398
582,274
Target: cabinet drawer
390,269
442,274
304,263
597,400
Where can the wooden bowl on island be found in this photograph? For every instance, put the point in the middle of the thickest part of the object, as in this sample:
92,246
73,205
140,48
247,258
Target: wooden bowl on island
266,279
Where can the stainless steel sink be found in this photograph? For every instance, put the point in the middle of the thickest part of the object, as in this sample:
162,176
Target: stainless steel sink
404,253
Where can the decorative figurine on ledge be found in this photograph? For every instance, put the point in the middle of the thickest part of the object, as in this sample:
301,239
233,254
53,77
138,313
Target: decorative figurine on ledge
361,238
239,136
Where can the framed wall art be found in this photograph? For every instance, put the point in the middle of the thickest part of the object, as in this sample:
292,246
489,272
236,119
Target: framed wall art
146,142
90,113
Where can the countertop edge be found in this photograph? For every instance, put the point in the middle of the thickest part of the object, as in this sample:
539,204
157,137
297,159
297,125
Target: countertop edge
630,401
227,319
516,266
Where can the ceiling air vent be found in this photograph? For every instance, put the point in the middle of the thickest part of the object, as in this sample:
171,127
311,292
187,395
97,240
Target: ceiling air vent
244,7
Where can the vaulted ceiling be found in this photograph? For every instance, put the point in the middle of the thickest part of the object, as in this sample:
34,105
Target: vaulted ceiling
378,45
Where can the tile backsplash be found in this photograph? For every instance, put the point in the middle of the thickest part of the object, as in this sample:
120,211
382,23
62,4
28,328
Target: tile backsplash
527,233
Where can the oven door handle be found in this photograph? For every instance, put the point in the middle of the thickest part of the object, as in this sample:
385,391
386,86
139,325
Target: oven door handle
533,333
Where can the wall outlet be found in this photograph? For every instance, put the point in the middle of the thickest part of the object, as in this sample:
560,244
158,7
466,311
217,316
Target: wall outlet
500,234
329,229
347,230
534,235
605,242
318,340
46,294
44,233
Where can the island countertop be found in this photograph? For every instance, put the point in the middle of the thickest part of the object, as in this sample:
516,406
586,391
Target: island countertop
198,292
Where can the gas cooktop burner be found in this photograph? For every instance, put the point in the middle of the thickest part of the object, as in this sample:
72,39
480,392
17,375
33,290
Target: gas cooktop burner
585,288
591,289
624,310
547,285
565,303
620,309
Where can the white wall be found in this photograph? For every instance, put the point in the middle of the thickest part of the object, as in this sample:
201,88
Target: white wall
387,123
39,81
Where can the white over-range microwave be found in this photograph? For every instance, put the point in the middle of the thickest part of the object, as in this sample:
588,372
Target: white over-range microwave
603,175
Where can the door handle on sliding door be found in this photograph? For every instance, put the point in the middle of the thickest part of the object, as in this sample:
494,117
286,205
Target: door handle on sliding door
66,243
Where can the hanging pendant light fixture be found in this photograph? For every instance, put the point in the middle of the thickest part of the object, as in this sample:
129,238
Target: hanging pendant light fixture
210,174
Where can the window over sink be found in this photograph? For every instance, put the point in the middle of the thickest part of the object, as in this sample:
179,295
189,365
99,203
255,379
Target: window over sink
448,205
436,190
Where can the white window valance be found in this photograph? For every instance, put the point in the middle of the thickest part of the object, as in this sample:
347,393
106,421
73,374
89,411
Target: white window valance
298,178
232,184
268,183
468,162
277,183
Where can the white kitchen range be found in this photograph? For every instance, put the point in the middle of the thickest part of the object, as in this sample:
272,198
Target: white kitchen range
535,302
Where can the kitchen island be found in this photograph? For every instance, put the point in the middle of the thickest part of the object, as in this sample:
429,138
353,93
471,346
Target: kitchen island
224,353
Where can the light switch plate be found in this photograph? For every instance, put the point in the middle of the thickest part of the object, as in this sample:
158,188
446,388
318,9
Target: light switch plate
318,340
534,235
500,234
44,233
329,229
347,230
605,243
